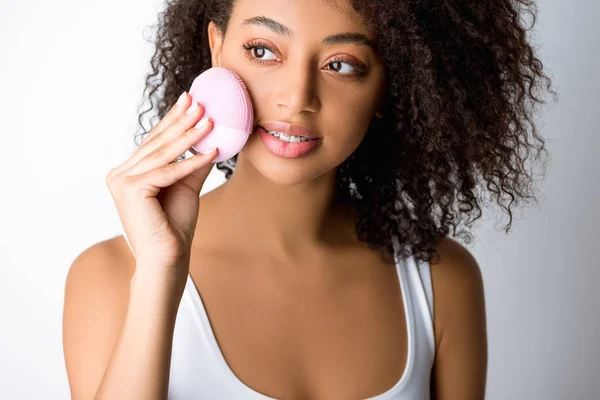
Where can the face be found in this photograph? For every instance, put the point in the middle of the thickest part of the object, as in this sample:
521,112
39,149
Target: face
333,88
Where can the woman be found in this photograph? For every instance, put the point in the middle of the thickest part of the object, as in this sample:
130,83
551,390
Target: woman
325,275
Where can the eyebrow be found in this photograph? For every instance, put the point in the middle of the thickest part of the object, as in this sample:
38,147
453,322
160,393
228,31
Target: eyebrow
336,39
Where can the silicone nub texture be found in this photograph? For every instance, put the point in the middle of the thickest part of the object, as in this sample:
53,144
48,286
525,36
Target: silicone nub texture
227,103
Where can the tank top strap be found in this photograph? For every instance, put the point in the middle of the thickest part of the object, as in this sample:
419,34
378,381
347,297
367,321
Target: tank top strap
419,279
424,270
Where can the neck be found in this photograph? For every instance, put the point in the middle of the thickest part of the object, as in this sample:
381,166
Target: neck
285,221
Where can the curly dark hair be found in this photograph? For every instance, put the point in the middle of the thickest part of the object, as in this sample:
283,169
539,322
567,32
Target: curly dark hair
463,87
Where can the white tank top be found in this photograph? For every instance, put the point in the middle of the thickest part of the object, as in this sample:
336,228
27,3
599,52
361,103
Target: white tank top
199,370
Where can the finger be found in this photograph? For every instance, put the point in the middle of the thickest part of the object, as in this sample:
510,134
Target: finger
170,151
169,134
175,112
183,123
169,174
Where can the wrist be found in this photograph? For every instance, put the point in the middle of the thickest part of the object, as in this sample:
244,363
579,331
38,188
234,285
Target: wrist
155,295
165,285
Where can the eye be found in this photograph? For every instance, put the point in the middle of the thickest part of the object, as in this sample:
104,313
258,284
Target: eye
250,48
255,51
339,61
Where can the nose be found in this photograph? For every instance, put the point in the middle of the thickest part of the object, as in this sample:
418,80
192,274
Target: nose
296,90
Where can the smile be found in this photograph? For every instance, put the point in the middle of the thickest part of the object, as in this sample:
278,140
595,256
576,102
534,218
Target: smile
289,138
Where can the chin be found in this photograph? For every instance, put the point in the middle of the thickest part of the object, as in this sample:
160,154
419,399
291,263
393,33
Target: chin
285,172
287,179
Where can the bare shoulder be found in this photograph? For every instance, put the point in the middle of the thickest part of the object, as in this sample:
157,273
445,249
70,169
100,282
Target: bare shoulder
457,269
95,301
109,259
460,365
103,268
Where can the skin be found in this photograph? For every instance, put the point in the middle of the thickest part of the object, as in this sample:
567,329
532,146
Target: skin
317,308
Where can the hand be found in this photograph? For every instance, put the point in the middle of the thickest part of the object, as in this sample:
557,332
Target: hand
158,199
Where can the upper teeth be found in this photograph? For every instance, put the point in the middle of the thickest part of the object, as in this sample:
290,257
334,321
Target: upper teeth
289,138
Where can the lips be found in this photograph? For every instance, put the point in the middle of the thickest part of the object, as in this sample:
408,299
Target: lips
289,129
285,149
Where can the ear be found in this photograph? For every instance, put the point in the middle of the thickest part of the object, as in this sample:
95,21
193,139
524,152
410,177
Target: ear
215,41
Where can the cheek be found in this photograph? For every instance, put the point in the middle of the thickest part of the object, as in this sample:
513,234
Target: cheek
354,108
352,121
348,127
345,140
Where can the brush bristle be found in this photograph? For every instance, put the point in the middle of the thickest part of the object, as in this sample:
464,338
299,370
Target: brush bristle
225,98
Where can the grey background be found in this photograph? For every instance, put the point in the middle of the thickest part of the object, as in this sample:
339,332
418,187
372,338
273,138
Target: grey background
72,75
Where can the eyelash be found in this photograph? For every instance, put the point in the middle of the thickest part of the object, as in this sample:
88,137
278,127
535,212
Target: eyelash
361,70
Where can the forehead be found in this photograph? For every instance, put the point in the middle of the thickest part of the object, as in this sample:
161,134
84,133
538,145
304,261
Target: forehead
303,17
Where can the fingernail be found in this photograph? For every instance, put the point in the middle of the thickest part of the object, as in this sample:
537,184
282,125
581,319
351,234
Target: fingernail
192,108
181,99
209,151
202,123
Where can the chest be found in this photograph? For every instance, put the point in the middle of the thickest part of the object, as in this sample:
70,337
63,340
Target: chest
296,335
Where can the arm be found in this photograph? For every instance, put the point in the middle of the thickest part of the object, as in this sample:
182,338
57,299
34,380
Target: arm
117,328
460,367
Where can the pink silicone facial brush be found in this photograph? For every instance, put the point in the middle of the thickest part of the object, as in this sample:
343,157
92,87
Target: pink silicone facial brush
226,101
